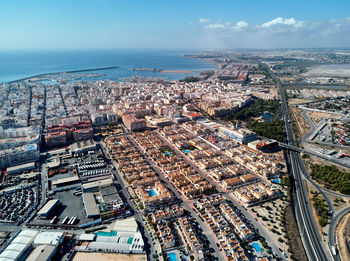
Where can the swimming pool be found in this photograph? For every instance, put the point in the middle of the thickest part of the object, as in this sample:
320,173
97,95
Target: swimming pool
187,151
277,180
152,193
172,256
257,247
267,116
167,153
31,147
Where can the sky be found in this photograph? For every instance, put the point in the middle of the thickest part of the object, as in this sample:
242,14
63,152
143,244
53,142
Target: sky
178,24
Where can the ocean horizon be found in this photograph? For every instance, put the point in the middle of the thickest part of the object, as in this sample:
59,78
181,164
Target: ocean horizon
15,65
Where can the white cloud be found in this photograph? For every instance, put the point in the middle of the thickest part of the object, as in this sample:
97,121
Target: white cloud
278,32
283,21
227,26
204,20
241,25
216,26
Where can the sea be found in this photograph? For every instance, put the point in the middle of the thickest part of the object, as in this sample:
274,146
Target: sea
15,65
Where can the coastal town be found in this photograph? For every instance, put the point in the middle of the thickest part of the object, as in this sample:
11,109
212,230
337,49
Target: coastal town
154,169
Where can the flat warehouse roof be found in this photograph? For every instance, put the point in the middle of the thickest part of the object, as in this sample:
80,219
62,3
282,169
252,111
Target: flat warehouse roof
100,183
90,204
20,167
48,206
65,180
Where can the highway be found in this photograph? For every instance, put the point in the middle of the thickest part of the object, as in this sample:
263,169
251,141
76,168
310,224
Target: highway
310,236
332,227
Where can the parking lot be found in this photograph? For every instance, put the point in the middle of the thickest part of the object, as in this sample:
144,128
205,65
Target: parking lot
71,206
15,204
87,167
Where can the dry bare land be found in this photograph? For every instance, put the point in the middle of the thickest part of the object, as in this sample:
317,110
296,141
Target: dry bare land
338,202
342,236
294,240
318,116
271,215
293,101
303,126
83,256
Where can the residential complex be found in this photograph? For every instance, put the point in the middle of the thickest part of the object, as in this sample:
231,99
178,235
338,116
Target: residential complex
106,151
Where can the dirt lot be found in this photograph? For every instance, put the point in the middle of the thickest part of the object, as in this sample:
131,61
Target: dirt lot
303,126
81,256
318,116
294,240
343,235
278,217
287,78
338,202
297,101
271,215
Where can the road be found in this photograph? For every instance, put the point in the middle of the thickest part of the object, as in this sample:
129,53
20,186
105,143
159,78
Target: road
149,243
187,204
309,121
227,193
315,154
332,227
311,238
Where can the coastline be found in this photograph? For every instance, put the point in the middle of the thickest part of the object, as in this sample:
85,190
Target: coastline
163,70
201,59
56,73
174,67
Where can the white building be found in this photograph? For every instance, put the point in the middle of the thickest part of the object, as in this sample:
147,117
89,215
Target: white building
124,239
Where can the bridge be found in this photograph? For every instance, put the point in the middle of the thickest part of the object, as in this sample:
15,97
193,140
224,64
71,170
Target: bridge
315,154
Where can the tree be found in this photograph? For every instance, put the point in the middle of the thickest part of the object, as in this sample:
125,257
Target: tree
306,156
273,130
331,177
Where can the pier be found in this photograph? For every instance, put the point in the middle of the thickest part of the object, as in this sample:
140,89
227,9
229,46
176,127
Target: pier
72,71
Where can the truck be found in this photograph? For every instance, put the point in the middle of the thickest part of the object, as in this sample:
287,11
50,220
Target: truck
334,250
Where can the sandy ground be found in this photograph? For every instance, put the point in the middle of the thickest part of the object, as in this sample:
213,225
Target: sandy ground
274,219
342,235
282,224
287,78
318,116
297,101
83,256
341,202
303,126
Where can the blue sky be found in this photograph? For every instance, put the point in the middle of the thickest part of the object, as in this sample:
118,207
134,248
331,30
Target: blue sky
191,24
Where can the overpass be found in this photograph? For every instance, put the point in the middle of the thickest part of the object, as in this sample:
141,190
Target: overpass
315,154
